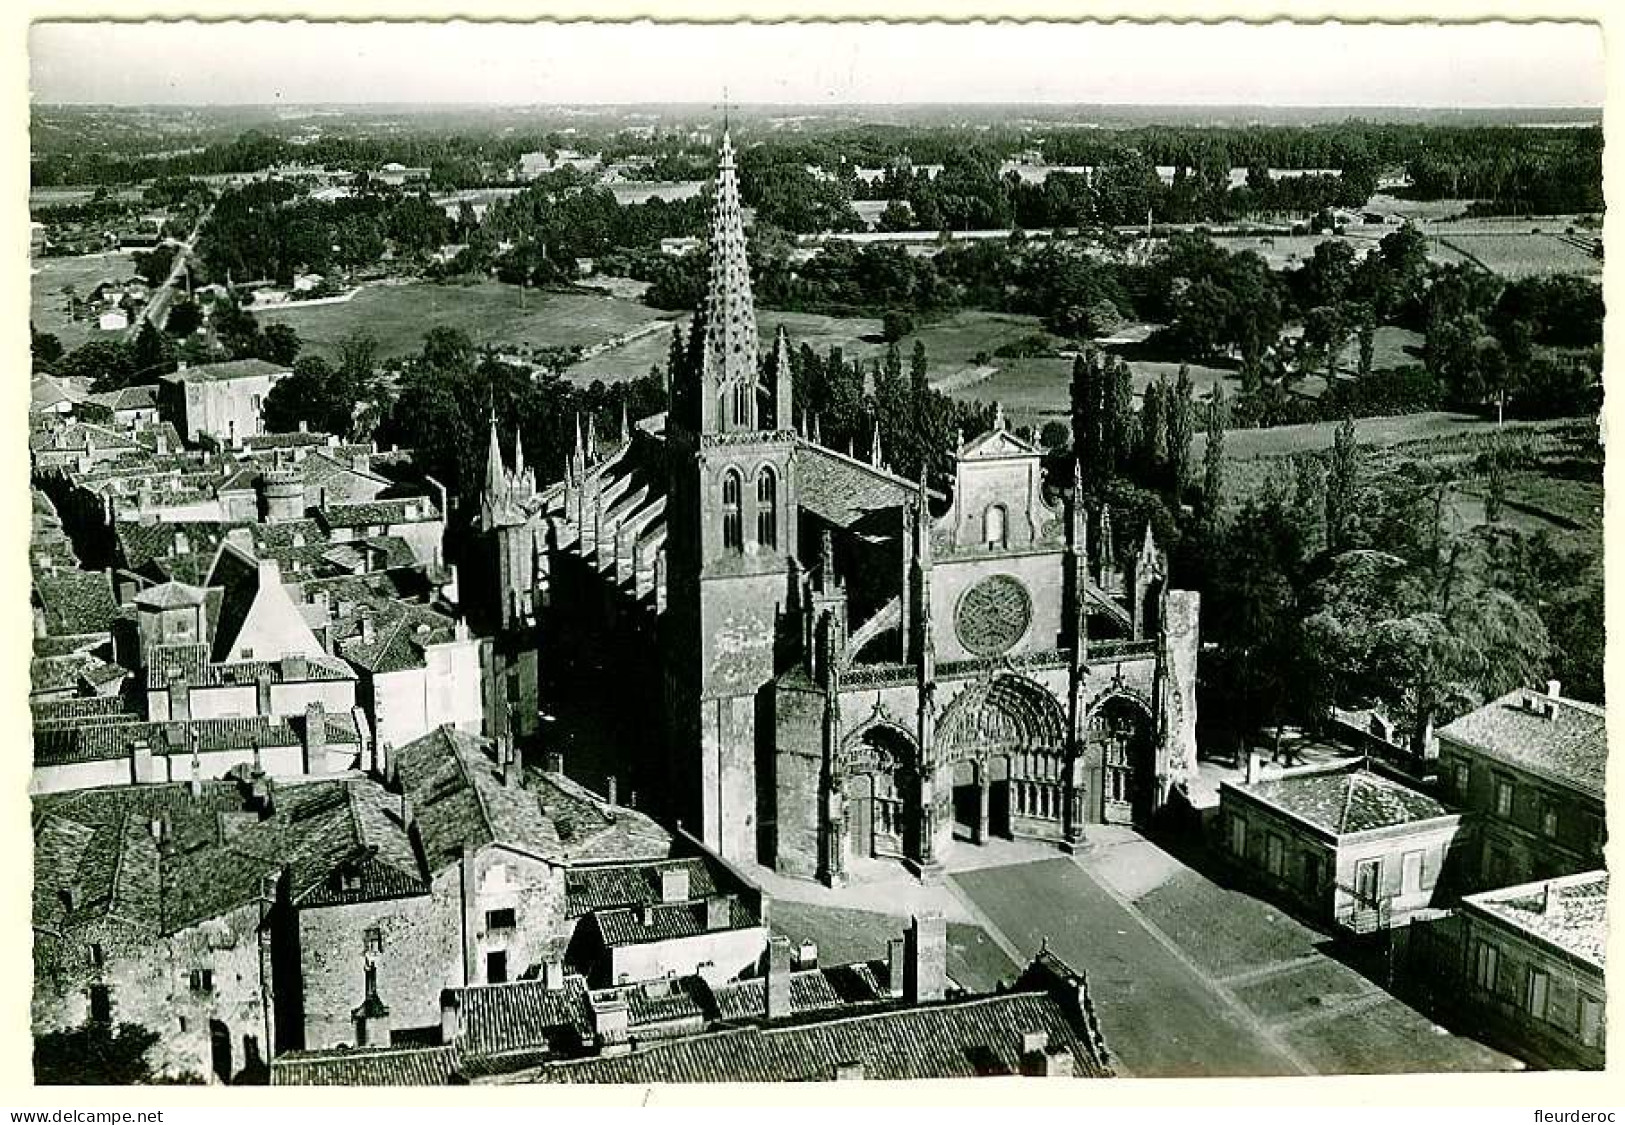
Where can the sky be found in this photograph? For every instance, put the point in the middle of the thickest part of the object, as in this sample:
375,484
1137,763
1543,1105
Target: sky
1465,65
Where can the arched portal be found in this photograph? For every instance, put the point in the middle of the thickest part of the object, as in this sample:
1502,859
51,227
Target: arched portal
1011,732
1120,730
882,793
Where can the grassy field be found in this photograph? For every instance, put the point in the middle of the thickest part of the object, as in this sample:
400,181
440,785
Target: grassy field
48,307
1524,254
490,312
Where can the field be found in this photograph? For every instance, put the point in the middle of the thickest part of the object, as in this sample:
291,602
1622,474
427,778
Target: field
397,316
48,307
1523,254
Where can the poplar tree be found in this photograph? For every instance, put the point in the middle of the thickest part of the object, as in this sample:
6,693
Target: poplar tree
1181,428
1213,460
1342,485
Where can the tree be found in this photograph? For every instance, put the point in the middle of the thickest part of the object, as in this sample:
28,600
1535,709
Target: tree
447,350
1342,487
1118,435
1213,461
917,370
184,319
1154,428
1088,401
94,1054
895,325
315,394
154,265
278,344
1181,429
153,355
1367,348
107,364
46,348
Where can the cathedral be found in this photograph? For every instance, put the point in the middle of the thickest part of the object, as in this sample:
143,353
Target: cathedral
816,664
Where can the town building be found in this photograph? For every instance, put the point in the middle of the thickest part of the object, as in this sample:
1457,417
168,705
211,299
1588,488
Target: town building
1347,843
848,664
1532,968
1529,767
222,400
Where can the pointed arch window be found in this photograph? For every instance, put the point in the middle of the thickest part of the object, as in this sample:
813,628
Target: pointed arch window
767,508
733,529
739,396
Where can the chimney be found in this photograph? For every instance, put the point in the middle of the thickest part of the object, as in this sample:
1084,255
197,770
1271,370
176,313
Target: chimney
315,738
777,992
194,784
295,667
926,968
609,790
141,770
646,914
553,972
180,696
1554,693
1255,767
262,692
1546,898
366,628
1045,1062
609,1018
451,1023
807,955
406,811
895,960
674,884
157,827
555,762
718,913
850,1071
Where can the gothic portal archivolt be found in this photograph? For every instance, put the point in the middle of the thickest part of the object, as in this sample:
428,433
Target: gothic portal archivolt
1007,714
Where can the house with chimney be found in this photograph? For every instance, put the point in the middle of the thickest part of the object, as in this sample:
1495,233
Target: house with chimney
1529,768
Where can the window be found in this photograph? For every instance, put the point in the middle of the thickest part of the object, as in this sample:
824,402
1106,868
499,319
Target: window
347,879
1238,836
1274,855
1367,882
1590,1021
995,531
739,397
1534,994
202,981
1410,872
1548,819
101,1004
1463,778
499,919
767,508
98,956
374,941
733,531
1503,797
1311,873
1486,966
496,966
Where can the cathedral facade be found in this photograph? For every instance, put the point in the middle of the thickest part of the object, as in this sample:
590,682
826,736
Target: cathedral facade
847,665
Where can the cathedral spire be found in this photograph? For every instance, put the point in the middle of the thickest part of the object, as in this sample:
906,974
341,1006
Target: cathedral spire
783,388
874,446
494,493
518,455
729,364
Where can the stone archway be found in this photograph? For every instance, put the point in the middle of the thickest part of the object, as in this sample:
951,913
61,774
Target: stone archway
1005,741
882,792
1121,731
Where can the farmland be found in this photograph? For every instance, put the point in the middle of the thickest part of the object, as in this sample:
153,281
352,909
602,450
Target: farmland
49,306
397,316
1524,253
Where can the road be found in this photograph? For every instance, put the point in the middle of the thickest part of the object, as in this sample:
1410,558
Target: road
156,310
1191,978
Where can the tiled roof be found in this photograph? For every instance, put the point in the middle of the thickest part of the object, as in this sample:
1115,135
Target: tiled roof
458,801
1571,747
76,602
56,745
141,543
638,925
378,513
84,711
193,660
1350,798
231,369
963,1039
401,634
1570,913
171,595
140,396
631,884
71,671
841,490
496,1018
366,1066
290,439
811,990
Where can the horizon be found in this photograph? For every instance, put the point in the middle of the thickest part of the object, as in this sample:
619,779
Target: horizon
1539,66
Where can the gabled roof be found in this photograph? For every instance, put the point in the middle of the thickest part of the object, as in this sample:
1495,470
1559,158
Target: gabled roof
230,369
522,1015
366,1066
1569,747
842,490
75,602
667,922
995,443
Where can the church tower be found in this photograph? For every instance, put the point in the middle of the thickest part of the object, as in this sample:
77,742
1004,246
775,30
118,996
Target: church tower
730,536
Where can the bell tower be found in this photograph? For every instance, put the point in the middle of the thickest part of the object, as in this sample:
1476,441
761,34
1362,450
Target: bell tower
730,537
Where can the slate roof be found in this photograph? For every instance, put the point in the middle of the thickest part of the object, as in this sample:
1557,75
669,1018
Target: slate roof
76,602
83,711
640,925
1347,799
497,1018
1570,913
1570,748
366,1066
960,1039
401,633
230,369
811,990
842,490
171,595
